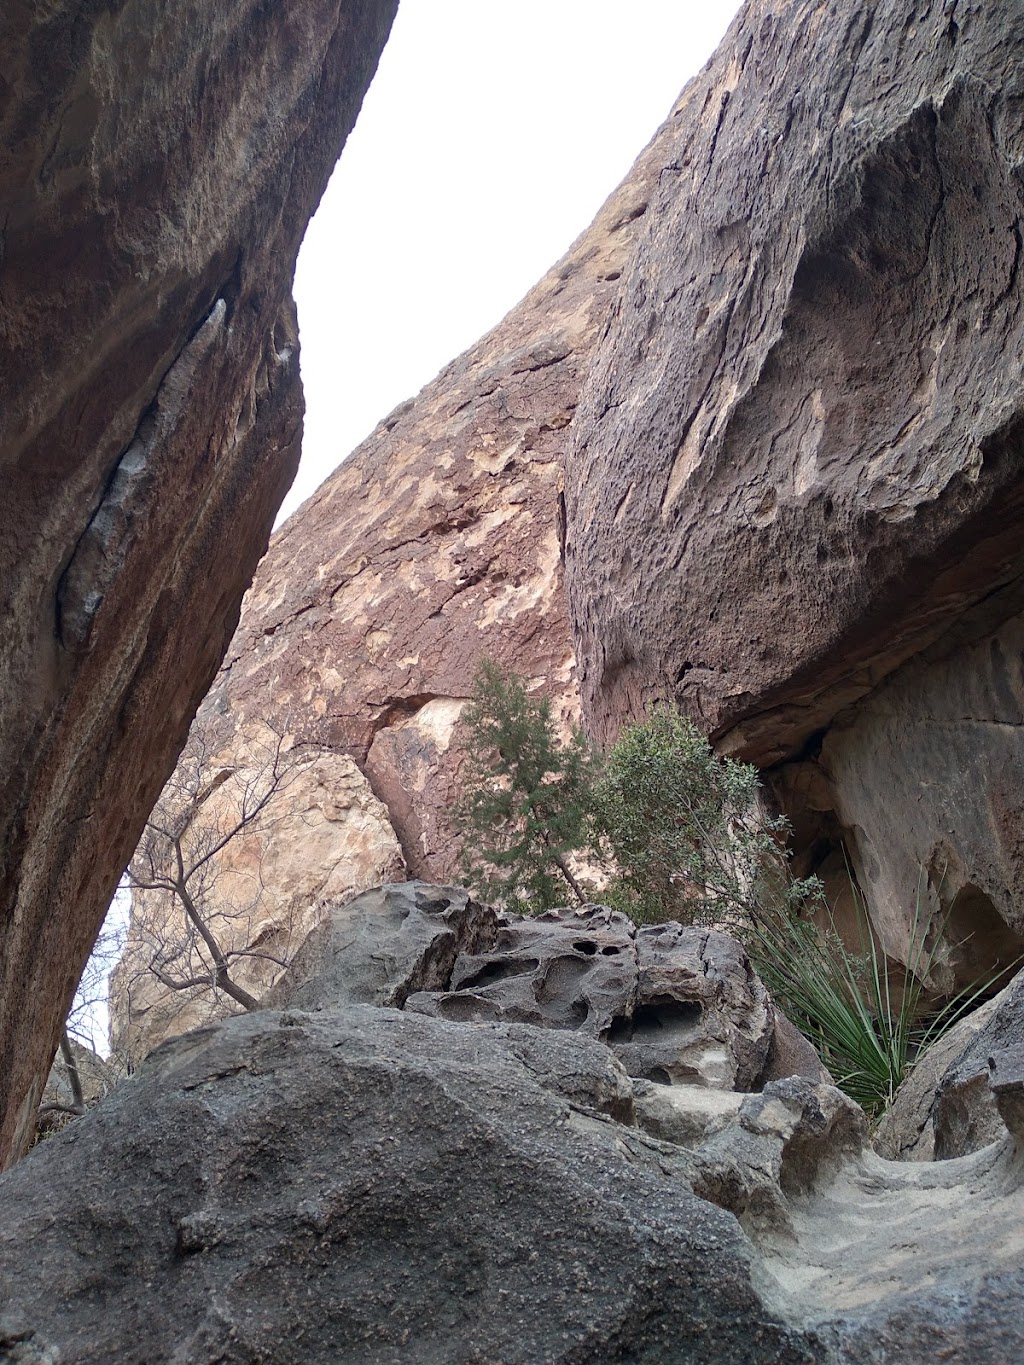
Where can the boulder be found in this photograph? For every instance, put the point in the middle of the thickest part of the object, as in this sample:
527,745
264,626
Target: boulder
785,1142
158,169
907,1128
676,1005
793,485
701,1011
966,1114
383,946
566,968
363,1185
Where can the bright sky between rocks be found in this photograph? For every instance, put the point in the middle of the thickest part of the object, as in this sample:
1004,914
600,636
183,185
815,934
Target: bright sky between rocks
490,137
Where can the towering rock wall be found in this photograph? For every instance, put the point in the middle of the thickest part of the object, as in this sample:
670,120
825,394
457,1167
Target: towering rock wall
158,166
782,371
796,478
436,542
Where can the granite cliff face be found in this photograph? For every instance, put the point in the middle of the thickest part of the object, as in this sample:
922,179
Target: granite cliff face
796,475
157,170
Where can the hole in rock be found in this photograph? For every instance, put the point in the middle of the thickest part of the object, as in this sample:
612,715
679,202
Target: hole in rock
584,945
464,1009
498,970
666,1016
981,943
659,1075
560,979
610,950
658,1017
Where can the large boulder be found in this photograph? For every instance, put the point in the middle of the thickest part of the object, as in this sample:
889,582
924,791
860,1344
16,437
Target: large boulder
795,482
158,166
362,1185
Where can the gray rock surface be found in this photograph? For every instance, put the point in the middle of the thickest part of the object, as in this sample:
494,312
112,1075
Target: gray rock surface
964,1114
383,945
676,1005
354,1183
907,1129
362,1185
684,1114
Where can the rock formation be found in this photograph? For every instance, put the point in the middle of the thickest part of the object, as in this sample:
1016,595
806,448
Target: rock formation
791,485
341,1179
157,173
949,1106
795,481
436,542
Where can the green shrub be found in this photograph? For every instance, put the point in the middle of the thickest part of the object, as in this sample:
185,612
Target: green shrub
683,830
867,1034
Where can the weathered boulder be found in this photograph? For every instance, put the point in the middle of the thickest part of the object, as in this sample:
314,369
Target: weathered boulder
965,1114
360,1184
385,945
363,1185
566,968
676,1005
907,1131
794,484
157,170
436,542
785,1142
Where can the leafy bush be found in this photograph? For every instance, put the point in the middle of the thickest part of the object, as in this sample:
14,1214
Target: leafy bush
684,831
523,809
676,830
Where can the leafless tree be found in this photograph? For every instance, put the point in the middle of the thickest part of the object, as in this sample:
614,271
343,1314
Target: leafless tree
194,922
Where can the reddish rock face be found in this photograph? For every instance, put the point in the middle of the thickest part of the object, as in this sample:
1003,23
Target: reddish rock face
437,542
796,478
158,166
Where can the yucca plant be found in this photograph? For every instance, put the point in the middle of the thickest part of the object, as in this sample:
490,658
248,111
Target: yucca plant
867,1034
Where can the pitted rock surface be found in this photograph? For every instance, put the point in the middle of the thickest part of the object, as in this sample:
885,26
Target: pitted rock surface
158,166
383,946
701,1012
564,969
675,1004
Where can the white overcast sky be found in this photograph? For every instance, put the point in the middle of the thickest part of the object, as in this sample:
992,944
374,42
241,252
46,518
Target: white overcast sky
491,135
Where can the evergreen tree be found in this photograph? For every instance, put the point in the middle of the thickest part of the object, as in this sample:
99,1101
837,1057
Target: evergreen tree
523,810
